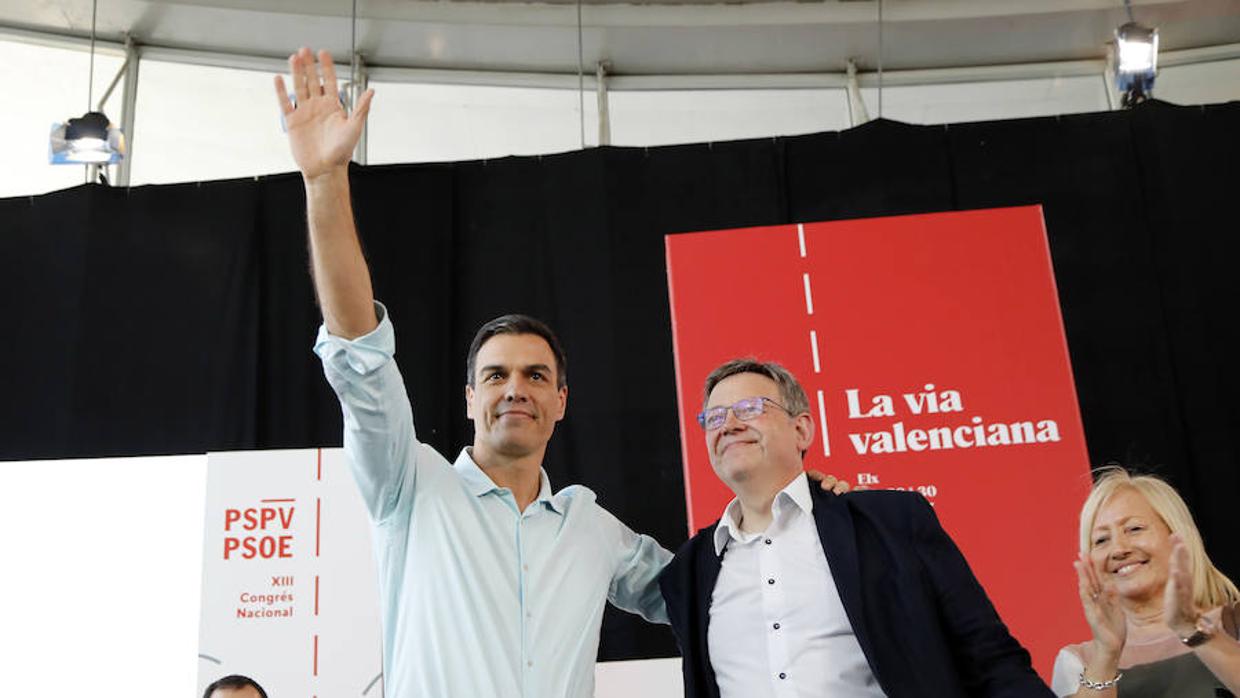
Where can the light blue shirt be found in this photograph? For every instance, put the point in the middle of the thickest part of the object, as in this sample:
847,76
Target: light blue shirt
477,598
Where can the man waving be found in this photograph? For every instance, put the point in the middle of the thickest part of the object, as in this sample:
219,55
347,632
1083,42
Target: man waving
491,584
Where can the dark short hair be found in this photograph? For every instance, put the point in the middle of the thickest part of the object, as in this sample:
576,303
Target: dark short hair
517,324
234,681
790,391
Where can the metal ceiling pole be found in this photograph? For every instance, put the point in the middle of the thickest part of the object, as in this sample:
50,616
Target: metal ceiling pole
129,96
857,113
880,59
103,99
604,108
357,80
581,80
361,75
116,79
92,170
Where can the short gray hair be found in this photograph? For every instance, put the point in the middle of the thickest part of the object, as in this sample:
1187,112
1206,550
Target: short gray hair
790,391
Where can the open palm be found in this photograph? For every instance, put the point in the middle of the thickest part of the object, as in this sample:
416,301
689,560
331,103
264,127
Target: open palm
1180,612
321,136
1102,608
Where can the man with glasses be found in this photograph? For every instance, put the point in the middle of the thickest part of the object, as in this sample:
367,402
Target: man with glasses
796,592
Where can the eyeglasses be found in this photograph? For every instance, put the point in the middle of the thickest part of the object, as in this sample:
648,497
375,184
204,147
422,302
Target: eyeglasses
744,410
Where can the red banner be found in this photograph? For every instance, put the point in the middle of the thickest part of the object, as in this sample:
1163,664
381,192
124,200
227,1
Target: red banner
932,351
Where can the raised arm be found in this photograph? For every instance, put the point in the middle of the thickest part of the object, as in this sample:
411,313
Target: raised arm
378,422
322,138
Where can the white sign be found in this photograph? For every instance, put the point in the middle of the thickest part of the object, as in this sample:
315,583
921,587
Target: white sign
289,595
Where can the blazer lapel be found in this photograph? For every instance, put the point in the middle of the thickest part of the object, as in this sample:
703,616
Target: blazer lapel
708,565
835,533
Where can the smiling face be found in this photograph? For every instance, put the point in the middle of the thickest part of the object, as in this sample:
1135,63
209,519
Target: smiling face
763,452
1130,546
514,401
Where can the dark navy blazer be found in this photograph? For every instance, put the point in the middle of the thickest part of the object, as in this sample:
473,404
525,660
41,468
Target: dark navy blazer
922,619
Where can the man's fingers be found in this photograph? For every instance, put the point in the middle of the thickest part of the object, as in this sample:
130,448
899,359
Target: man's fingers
297,67
286,107
829,483
316,75
363,105
819,476
328,68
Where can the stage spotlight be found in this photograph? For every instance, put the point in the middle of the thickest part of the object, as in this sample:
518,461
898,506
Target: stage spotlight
1137,49
89,139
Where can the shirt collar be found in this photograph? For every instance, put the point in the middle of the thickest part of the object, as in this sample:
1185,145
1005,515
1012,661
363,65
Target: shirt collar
479,483
792,497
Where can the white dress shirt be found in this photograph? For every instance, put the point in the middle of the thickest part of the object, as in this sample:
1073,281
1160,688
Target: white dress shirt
777,625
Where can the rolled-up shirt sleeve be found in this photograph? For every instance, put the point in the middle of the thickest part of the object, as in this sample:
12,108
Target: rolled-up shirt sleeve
379,436
635,583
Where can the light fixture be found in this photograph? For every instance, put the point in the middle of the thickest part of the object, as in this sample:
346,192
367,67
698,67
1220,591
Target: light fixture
1136,47
87,140
90,139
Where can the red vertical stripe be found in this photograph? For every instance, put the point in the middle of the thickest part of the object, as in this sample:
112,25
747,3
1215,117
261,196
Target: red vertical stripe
318,520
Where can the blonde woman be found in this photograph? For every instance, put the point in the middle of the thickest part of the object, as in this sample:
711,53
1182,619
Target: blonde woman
1163,617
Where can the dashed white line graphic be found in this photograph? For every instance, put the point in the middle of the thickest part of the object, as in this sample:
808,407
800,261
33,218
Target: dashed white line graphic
809,298
822,419
813,344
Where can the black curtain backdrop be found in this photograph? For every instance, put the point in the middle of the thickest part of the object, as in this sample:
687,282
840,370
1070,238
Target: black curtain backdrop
179,319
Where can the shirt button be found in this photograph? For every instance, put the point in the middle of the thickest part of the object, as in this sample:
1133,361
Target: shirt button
771,580
525,567
768,541
530,663
782,675
776,626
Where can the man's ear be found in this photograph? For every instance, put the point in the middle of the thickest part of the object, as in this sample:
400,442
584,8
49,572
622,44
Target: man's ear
563,395
469,401
805,431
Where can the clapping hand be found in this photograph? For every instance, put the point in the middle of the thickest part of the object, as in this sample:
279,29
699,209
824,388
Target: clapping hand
320,134
1179,612
1102,609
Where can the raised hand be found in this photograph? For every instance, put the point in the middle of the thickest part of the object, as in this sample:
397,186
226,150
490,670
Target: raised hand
321,136
1179,612
1102,609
